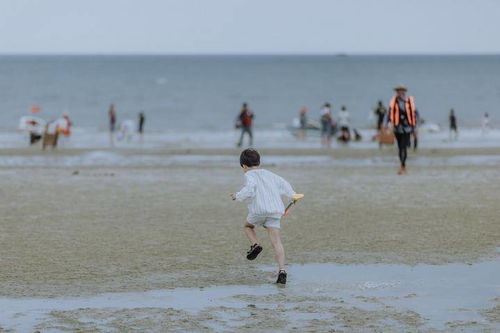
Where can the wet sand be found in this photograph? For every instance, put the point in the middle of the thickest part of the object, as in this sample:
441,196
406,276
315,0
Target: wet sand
141,228
320,297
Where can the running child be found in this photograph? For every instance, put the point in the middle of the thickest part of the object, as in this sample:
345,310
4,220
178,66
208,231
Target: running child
263,189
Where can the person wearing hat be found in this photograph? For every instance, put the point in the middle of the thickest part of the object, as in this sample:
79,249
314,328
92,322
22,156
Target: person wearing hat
403,118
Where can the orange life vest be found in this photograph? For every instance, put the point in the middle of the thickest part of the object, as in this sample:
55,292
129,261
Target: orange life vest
410,111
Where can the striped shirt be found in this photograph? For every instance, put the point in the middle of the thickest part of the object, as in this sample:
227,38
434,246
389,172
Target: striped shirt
264,189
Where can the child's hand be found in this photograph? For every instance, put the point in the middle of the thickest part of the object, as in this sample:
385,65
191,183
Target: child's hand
233,196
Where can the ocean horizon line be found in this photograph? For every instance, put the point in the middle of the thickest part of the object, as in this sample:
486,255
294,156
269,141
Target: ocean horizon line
256,54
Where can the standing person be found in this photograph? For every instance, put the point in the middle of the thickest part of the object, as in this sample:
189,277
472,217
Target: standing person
112,118
112,122
142,118
140,128
415,131
485,124
264,190
403,119
453,125
344,120
326,124
66,125
380,112
303,122
245,121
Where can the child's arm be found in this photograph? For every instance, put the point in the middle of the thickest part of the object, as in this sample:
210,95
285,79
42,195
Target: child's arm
248,191
286,189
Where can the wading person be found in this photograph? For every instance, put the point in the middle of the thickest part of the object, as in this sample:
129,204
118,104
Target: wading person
303,122
112,122
344,123
453,125
403,119
245,122
326,121
142,118
380,112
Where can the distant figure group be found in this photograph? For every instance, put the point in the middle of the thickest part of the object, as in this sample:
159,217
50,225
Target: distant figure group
127,126
330,126
48,132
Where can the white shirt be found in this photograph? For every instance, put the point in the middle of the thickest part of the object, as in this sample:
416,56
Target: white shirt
324,111
344,118
264,189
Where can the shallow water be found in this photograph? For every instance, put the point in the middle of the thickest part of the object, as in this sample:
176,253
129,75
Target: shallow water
101,158
435,296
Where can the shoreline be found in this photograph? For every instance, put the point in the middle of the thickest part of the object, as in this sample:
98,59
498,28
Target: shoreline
338,152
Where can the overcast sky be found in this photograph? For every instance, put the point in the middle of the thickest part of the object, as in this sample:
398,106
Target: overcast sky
249,26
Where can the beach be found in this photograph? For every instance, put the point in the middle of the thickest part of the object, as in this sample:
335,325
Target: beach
159,224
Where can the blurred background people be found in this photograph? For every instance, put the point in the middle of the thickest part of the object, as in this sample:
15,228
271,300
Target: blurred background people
380,112
140,127
485,124
326,121
414,134
344,120
112,122
453,125
112,118
245,122
303,122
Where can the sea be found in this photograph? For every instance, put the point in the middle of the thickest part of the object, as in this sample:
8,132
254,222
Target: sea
194,100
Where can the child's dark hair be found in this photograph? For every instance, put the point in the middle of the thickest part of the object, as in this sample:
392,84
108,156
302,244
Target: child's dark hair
249,157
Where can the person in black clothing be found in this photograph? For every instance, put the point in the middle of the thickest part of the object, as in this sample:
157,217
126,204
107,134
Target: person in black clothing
415,131
453,124
403,118
380,112
142,118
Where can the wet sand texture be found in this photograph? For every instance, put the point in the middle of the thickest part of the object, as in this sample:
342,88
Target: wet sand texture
118,229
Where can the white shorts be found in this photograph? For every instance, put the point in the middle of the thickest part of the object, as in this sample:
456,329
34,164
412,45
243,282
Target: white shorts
265,221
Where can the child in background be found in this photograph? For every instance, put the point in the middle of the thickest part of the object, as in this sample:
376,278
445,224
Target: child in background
264,190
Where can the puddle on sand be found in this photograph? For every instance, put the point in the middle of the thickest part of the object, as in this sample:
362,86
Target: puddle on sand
438,294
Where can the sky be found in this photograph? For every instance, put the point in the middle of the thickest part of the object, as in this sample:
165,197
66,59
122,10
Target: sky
249,26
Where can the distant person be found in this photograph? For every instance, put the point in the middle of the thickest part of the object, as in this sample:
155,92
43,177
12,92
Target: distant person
303,122
403,119
63,128
344,123
142,118
415,131
326,121
112,118
263,191
35,131
245,122
485,124
453,125
66,125
380,112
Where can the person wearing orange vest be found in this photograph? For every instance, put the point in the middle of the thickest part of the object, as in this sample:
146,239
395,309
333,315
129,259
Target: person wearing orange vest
403,118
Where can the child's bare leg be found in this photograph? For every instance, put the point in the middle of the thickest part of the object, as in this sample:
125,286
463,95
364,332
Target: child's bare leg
250,232
274,235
